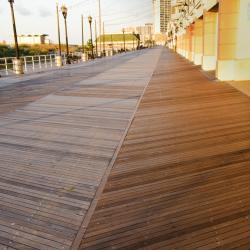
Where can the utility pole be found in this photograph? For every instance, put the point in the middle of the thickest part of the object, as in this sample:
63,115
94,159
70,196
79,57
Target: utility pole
112,43
100,23
83,50
124,42
104,52
96,49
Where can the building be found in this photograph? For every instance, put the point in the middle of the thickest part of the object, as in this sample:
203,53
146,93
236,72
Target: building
162,15
214,34
146,32
116,41
33,39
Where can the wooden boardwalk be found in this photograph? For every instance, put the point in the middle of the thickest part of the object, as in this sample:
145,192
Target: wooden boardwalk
182,177
55,150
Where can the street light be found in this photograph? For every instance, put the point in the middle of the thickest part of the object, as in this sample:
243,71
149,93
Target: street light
82,23
91,38
104,39
96,48
17,63
124,42
59,62
112,44
133,40
65,13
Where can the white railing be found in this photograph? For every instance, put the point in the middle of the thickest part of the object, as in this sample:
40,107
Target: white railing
33,63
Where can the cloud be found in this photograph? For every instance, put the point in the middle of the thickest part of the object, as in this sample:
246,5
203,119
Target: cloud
23,11
44,12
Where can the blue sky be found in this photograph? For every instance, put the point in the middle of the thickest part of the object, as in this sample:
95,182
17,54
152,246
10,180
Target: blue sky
38,16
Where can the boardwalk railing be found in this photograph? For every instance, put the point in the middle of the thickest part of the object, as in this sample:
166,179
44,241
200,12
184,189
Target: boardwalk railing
31,63
39,62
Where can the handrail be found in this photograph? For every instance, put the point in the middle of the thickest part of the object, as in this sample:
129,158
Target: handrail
31,63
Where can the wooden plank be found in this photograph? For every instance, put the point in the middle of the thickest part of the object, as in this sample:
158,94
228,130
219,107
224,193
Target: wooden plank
56,149
181,179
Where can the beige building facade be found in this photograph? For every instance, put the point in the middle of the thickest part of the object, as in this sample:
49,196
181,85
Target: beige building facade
162,15
33,39
145,32
214,34
117,42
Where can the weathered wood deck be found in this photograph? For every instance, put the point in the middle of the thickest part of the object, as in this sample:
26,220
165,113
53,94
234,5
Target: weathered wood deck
55,150
182,177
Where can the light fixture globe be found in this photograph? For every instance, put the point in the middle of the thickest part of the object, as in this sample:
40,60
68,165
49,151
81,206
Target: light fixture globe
90,19
64,10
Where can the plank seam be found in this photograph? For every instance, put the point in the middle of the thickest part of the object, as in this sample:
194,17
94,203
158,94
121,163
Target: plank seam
78,239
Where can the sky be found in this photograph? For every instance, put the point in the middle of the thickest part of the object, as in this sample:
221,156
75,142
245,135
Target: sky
39,17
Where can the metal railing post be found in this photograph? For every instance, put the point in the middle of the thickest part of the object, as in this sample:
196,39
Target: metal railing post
45,58
6,65
51,62
39,59
33,63
25,64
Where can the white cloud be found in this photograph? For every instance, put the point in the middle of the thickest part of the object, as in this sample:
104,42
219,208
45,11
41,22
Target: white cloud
44,12
23,11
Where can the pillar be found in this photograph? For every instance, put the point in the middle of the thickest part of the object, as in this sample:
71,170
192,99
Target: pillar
234,40
190,40
191,58
178,45
185,45
182,51
198,41
18,66
210,40
59,61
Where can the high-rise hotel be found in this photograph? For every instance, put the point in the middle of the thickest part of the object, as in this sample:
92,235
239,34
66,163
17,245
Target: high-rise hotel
162,15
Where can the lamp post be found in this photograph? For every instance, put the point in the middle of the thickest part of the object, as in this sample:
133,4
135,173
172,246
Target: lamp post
96,48
82,20
104,40
91,38
133,40
59,62
65,14
17,62
84,56
112,44
100,25
124,42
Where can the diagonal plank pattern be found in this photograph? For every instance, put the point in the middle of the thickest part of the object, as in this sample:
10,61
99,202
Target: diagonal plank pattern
182,177
54,152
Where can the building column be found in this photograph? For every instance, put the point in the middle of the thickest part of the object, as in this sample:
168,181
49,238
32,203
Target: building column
185,45
178,46
198,41
234,40
182,52
210,40
190,44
